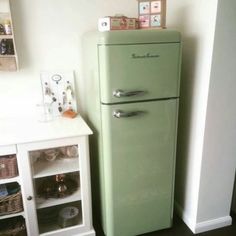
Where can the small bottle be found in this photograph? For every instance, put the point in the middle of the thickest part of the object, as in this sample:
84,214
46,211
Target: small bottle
7,27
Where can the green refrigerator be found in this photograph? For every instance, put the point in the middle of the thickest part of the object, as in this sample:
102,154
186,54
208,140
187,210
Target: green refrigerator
132,81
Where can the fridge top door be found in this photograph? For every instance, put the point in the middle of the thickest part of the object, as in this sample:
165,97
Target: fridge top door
136,72
137,36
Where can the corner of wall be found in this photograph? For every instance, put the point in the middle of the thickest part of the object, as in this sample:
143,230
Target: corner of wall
203,226
188,220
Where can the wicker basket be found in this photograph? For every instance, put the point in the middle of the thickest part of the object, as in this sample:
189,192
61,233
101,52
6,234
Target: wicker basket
11,204
13,227
20,231
8,167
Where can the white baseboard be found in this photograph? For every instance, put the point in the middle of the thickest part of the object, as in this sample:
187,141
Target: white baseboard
88,233
202,226
213,224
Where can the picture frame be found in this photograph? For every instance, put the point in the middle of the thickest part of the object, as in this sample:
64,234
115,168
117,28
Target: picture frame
152,14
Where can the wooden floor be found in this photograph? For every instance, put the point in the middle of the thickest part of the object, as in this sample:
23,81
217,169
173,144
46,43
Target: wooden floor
180,229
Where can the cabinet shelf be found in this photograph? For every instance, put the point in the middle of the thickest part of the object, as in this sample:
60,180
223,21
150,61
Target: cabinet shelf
12,215
7,56
47,168
5,14
42,203
6,36
10,180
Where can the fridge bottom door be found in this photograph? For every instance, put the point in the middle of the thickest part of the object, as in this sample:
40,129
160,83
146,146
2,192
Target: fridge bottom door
139,141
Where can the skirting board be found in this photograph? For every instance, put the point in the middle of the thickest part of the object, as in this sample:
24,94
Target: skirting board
89,233
205,225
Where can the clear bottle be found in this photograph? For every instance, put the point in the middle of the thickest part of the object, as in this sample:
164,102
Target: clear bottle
7,27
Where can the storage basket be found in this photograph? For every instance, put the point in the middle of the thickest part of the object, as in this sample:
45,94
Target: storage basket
11,204
8,167
13,227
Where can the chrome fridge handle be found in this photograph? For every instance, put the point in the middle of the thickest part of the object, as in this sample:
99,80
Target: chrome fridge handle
121,93
122,114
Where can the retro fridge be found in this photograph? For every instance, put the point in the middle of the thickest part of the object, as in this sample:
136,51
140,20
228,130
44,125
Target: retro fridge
132,93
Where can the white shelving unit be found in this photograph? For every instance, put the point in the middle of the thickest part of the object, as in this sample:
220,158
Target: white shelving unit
8,58
5,151
71,174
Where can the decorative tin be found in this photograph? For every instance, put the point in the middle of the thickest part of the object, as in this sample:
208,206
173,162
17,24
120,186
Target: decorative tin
68,216
152,14
117,23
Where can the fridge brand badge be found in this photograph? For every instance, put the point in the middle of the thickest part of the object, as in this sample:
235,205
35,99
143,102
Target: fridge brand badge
144,56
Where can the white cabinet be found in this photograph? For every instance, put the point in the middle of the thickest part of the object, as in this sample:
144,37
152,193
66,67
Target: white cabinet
54,173
11,207
8,55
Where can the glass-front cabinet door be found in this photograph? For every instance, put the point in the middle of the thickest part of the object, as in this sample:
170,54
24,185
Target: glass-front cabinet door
57,193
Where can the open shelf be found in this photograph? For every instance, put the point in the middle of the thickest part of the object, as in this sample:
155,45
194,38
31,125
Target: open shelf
5,14
12,215
6,36
8,55
11,56
10,180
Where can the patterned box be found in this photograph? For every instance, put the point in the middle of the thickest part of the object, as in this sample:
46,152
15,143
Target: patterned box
117,23
152,13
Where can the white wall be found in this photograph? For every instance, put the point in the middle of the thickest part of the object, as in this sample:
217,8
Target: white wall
196,21
48,35
219,153
207,130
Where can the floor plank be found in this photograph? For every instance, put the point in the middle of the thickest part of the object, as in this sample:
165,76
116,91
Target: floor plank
180,229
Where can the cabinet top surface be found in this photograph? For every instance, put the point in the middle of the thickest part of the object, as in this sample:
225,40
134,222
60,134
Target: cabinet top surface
15,131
